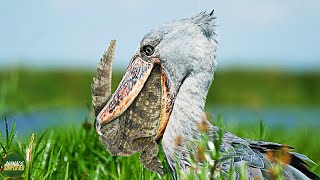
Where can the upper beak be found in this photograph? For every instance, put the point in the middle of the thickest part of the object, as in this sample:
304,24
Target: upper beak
129,88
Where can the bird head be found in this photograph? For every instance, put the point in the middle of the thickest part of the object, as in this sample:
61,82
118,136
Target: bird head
181,48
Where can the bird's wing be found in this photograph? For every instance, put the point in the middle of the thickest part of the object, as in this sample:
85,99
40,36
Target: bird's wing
260,159
101,86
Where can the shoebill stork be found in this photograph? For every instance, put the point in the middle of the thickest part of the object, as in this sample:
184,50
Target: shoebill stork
185,51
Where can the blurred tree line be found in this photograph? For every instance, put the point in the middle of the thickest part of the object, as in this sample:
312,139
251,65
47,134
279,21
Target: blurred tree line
23,87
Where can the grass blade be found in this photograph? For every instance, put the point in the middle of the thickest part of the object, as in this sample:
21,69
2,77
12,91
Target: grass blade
3,148
7,130
67,172
12,134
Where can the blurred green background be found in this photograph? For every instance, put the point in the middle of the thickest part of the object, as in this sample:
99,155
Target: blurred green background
31,88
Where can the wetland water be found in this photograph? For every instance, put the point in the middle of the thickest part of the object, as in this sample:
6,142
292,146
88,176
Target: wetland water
288,117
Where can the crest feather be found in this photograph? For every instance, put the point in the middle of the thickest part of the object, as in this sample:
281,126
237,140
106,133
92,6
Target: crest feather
207,22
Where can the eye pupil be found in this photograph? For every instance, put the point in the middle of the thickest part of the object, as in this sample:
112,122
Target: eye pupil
148,50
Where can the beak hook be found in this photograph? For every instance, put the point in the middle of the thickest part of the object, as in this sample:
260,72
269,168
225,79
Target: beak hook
97,126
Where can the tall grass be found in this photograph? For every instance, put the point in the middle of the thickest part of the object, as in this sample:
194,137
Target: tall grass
72,153
76,153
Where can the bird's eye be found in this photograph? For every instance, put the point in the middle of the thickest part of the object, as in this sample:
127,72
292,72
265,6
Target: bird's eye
149,50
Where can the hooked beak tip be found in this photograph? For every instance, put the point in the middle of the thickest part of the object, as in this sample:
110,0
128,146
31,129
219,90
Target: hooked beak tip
97,127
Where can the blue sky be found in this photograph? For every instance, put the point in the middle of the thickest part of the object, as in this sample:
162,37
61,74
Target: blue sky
76,32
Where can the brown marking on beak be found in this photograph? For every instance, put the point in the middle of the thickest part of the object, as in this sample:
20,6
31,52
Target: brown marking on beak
128,89
166,106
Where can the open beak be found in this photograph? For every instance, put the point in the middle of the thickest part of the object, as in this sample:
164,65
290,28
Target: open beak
129,88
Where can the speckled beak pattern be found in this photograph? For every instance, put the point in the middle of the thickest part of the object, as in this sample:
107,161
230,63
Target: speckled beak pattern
129,88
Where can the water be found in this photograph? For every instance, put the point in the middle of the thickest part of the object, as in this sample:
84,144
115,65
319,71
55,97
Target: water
39,120
272,116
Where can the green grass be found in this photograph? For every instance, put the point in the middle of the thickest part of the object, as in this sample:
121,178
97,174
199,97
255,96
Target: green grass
76,152
73,153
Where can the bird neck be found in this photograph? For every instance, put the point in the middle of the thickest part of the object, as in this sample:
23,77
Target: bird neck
188,112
